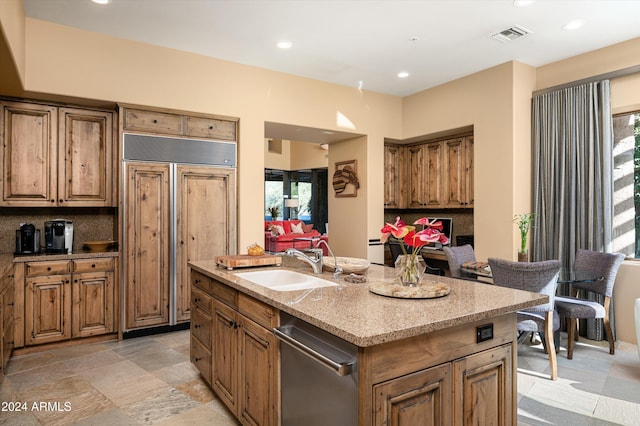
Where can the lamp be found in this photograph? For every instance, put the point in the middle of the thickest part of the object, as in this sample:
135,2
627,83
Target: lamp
293,204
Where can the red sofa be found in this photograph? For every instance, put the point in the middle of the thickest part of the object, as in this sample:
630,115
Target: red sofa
275,242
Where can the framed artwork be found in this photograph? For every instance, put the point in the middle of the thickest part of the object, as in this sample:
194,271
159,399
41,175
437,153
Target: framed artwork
345,179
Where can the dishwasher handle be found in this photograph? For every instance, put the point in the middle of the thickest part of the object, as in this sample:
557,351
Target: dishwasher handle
340,368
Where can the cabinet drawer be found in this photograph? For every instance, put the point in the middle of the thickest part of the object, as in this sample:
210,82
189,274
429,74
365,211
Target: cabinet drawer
210,128
152,121
201,327
90,265
200,300
201,358
263,314
225,293
47,268
201,281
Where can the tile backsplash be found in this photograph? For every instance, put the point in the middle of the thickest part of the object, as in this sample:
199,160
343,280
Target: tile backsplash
89,224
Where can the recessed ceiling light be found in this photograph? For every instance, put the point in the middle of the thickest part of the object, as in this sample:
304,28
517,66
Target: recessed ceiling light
403,74
284,44
101,1
523,3
573,25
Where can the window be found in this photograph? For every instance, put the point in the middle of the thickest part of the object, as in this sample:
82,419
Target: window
308,186
626,184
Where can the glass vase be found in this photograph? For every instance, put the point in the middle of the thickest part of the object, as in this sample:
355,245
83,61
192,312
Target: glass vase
410,269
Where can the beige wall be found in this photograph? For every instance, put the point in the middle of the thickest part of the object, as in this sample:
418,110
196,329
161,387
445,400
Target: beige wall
12,41
307,155
347,226
72,63
296,155
488,100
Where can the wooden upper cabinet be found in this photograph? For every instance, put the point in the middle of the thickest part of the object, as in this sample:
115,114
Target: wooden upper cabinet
86,158
175,123
459,176
433,176
394,179
29,157
430,175
416,176
152,121
56,156
470,171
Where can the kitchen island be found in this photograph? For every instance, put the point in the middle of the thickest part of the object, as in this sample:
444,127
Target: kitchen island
445,360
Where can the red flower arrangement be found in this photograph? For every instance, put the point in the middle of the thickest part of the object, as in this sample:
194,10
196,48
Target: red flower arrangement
410,272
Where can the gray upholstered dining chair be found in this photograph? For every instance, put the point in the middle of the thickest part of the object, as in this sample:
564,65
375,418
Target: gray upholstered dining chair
456,256
574,308
538,277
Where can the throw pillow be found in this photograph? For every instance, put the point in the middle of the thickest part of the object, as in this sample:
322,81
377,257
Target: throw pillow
307,228
279,229
296,228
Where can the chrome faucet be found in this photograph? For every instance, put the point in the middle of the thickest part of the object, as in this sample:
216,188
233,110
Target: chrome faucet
337,269
316,262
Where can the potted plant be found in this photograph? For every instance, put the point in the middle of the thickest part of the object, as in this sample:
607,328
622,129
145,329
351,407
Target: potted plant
410,265
273,211
524,222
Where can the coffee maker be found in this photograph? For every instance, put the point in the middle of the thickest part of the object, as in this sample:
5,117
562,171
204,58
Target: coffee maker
58,236
27,239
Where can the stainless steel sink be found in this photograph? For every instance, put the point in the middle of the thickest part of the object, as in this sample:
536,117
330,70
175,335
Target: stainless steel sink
285,280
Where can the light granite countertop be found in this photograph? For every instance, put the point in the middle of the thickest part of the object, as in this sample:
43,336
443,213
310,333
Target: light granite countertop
352,312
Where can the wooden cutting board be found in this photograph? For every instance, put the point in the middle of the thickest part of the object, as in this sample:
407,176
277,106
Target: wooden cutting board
246,261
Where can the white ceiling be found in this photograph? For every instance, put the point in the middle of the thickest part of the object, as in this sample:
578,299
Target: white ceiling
358,43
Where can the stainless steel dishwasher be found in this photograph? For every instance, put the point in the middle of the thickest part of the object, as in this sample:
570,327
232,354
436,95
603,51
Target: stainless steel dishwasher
319,375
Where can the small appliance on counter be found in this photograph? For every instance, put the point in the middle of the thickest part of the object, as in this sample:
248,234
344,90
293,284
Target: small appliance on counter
27,239
58,236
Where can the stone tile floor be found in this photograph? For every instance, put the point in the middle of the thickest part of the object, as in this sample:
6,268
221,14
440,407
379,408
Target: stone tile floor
149,380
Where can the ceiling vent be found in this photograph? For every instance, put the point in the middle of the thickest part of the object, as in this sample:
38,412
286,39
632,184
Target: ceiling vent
511,33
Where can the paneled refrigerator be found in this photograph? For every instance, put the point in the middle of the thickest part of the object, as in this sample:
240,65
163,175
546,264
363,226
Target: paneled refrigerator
179,205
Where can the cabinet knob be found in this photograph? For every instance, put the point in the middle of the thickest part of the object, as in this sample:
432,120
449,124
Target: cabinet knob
197,281
196,359
196,325
93,266
210,127
197,299
155,121
48,268
61,200
53,201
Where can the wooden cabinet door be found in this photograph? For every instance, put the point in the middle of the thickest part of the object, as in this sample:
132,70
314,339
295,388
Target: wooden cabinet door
147,245
469,170
421,398
416,176
483,385
258,397
394,180
432,175
85,156
7,295
47,309
92,311
224,374
456,176
205,222
29,158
